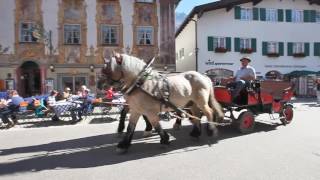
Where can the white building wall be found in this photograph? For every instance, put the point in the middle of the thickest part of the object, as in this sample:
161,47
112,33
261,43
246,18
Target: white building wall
50,9
7,25
186,40
222,23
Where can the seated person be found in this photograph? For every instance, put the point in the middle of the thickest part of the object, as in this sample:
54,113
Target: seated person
66,93
51,101
5,112
85,105
243,76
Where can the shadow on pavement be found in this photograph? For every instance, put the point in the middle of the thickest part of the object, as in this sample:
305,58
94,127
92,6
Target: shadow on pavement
95,151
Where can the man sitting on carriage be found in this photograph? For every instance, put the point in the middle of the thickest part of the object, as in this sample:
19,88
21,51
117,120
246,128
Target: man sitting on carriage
242,78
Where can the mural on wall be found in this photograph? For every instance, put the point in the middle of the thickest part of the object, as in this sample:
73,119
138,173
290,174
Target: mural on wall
72,9
146,53
145,13
72,55
28,8
108,11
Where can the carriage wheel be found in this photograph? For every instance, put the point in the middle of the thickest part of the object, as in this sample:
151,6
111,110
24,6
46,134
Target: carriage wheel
286,115
245,122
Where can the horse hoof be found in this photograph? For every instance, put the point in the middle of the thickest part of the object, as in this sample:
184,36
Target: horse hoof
176,127
121,150
147,134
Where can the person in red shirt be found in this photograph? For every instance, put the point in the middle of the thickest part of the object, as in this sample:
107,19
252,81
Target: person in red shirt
109,94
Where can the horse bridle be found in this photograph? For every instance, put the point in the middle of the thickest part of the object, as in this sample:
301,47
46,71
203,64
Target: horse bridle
107,71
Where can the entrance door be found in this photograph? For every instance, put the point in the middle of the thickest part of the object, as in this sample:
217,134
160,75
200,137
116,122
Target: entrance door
30,79
72,81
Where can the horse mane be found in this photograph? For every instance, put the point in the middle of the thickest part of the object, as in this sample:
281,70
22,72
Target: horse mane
131,64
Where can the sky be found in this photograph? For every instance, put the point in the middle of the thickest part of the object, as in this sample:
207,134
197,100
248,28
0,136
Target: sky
185,7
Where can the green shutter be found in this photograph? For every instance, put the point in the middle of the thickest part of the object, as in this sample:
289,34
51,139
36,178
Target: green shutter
262,14
307,49
317,49
237,44
214,41
237,12
264,48
288,15
280,15
281,48
210,43
312,16
256,14
306,16
254,44
228,43
290,49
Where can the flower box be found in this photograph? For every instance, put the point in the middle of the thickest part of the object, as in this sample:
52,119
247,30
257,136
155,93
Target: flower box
273,54
220,50
299,55
246,50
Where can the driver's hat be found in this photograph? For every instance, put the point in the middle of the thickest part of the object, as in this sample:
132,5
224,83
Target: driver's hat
246,57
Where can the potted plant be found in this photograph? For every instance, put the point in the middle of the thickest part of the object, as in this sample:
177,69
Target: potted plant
246,50
299,54
220,49
273,54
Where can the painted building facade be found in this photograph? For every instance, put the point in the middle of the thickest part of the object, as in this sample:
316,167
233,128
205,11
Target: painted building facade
280,36
48,44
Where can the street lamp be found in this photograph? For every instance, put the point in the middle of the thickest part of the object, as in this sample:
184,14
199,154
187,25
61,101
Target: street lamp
91,67
51,67
196,39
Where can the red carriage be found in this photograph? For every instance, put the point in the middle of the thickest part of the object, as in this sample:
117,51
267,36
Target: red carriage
259,97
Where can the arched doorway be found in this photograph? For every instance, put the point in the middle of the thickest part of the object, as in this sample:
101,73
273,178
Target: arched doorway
30,79
273,75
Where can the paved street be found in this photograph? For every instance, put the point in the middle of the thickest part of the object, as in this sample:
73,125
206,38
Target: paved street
44,150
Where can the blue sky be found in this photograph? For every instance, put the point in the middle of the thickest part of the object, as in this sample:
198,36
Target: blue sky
185,6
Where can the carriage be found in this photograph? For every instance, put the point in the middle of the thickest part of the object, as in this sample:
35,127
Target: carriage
258,97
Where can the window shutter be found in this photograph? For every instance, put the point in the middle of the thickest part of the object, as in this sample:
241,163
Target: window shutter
307,49
317,49
288,15
312,16
306,16
281,48
256,14
237,12
254,44
264,48
210,43
280,15
262,14
237,44
214,40
290,49
228,43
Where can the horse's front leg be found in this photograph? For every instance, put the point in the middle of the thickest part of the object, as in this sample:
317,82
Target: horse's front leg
122,120
124,145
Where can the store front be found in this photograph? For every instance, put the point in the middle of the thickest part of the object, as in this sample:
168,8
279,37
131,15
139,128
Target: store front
74,82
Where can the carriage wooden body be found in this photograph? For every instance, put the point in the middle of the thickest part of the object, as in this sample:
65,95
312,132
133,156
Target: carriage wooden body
270,97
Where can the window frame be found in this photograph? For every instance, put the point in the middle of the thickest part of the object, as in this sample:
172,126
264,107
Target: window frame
298,46
275,48
31,39
138,28
145,1
181,53
246,45
64,34
246,14
271,15
219,42
117,35
317,16
294,16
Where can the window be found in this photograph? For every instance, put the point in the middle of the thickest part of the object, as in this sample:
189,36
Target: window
318,16
26,30
245,43
181,52
246,14
298,48
109,34
72,34
145,1
297,16
219,42
145,35
271,15
273,47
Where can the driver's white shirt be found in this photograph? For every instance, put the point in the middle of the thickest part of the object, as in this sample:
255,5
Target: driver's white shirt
244,71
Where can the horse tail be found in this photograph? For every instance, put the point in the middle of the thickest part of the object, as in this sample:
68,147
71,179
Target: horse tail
214,104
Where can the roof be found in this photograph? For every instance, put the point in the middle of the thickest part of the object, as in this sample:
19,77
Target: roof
228,4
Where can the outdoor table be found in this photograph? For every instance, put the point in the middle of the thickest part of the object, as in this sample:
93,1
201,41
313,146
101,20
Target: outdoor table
61,107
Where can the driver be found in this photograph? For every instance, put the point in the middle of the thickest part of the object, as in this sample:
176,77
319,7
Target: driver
243,76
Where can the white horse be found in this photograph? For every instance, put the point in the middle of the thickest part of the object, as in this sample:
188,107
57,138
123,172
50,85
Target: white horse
184,88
